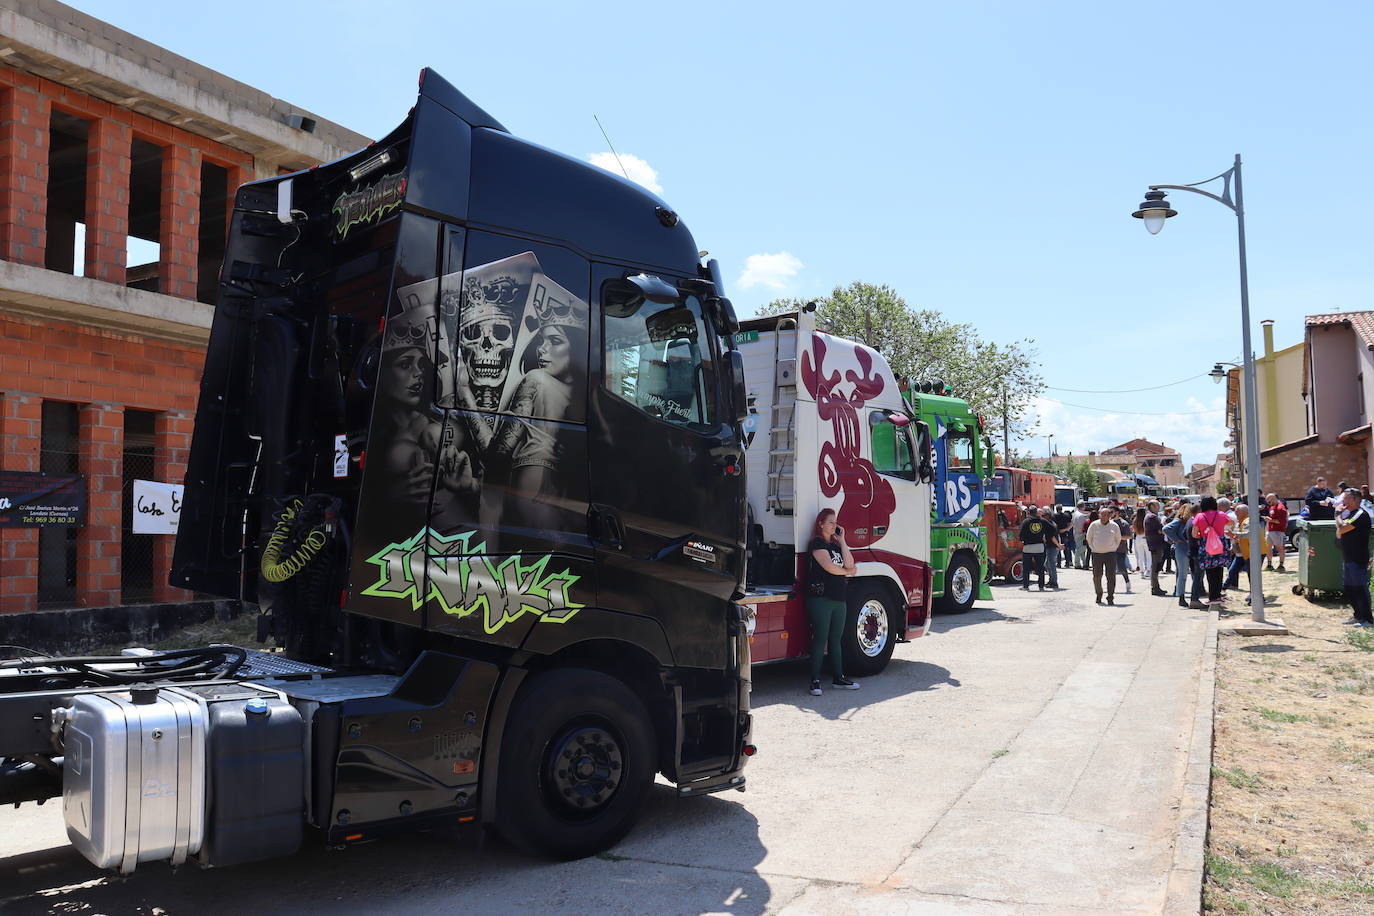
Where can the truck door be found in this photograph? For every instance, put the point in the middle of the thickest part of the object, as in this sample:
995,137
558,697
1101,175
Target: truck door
959,486
667,486
496,454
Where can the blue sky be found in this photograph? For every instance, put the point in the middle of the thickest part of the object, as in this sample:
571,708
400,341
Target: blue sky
982,158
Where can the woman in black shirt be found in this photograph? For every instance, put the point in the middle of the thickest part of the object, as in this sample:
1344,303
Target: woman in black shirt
831,564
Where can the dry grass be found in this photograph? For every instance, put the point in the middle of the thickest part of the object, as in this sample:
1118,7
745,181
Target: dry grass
1292,817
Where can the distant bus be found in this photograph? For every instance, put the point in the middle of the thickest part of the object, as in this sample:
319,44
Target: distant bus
1124,491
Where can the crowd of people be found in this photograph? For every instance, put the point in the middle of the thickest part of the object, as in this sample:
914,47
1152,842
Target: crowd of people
1205,545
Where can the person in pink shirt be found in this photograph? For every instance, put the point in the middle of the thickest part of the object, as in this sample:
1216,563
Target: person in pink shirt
1276,531
1207,522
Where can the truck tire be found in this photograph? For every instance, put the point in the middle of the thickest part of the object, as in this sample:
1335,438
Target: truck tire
576,761
961,585
1016,568
870,628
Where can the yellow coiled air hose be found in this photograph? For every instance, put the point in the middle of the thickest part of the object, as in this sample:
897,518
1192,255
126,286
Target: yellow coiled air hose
274,568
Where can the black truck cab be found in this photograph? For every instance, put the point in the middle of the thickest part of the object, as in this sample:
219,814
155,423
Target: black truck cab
469,419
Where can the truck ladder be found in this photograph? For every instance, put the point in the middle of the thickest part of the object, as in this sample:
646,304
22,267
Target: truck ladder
782,440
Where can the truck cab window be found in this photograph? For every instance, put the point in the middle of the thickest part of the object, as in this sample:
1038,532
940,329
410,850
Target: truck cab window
659,358
892,451
960,452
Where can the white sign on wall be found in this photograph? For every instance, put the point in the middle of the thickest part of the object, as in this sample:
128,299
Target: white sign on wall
157,507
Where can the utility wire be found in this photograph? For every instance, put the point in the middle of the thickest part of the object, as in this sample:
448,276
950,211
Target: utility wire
1127,390
1138,413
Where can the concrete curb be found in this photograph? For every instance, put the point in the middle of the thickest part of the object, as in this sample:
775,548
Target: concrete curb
1186,871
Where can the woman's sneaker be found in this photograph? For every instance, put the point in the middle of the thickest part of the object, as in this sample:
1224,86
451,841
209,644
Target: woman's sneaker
844,683
815,688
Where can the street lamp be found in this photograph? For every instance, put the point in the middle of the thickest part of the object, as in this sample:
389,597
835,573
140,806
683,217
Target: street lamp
1153,211
1048,455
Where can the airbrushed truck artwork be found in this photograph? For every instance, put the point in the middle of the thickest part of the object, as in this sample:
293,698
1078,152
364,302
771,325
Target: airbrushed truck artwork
830,430
470,438
506,345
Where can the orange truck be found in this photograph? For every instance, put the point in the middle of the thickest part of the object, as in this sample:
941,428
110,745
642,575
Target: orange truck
1032,488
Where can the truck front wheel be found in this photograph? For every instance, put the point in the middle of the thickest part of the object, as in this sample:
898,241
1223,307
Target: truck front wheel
961,585
1017,567
576,761
871,627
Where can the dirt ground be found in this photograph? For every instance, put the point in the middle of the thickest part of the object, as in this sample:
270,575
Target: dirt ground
1292,815
238,631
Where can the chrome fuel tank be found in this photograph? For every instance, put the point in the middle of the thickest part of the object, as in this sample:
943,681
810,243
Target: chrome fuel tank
134,777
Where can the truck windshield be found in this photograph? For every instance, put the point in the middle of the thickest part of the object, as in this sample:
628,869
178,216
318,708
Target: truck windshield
998,486
659,358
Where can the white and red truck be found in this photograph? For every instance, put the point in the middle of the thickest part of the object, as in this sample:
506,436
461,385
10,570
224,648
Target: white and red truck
830,430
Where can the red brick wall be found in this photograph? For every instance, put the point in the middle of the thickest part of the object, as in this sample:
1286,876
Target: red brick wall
1289,473
107,200
99,545
180,223
105,373
20,419
23,170
25,105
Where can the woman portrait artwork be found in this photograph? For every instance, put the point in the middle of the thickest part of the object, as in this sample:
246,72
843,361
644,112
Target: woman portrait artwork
550,386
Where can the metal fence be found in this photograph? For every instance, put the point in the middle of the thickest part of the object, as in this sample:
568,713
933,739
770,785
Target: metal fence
136,564
59,453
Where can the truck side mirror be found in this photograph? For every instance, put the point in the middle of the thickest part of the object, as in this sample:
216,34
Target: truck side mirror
739,395
723,316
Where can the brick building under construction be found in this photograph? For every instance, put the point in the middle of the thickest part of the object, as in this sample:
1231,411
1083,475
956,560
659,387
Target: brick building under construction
118,165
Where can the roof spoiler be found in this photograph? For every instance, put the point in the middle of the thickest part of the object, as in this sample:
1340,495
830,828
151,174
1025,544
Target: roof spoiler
434,86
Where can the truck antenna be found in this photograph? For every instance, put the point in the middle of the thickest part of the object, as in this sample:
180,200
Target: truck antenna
612,146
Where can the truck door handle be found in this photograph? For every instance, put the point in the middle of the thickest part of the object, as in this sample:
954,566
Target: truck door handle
605,527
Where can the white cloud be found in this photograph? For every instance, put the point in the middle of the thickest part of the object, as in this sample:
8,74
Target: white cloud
770,270
636,169
1198,437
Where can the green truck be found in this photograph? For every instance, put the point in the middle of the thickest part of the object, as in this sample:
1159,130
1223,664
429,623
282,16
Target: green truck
958,540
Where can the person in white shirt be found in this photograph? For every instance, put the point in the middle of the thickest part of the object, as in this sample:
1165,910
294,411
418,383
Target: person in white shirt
1102,538
1081,519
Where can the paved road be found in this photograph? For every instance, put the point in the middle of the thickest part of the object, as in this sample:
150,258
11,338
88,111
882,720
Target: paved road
1026,757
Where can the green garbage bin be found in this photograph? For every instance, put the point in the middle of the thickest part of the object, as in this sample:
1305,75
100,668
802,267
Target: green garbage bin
1319,557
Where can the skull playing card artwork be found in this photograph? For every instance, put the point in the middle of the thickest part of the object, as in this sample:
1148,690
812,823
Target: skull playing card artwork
504,348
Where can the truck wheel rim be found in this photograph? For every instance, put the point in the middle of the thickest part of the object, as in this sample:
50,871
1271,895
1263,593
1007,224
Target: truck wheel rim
583,769
961,584
871,628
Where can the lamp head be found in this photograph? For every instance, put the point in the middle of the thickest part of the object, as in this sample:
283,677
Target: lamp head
1217,373
1154,210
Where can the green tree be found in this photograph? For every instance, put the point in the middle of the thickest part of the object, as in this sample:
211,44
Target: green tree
923,345
1083,475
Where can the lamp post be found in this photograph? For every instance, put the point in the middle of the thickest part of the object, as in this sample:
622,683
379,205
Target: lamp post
1154,210
1048,455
